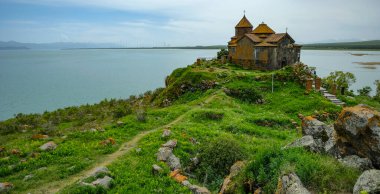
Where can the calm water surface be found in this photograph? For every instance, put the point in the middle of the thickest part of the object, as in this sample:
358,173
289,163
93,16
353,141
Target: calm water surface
38,80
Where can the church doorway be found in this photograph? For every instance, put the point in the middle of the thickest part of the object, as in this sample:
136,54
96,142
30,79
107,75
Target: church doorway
284,62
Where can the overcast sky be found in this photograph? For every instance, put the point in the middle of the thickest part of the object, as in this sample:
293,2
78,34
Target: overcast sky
184,22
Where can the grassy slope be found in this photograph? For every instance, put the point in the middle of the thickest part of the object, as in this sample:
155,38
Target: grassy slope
241,121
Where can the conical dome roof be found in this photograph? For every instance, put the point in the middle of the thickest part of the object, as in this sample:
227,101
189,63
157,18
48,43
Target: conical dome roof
244,23
263,29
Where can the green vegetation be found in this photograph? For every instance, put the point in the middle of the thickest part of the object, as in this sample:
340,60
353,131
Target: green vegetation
340,80
219,113
222,52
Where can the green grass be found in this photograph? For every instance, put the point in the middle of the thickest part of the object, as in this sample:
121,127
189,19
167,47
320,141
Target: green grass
207,115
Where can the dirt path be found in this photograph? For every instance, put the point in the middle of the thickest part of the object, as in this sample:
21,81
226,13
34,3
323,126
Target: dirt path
54,187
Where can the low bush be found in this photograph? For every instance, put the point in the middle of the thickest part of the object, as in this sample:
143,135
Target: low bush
216,157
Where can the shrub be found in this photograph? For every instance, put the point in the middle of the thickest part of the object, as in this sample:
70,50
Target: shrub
217,156
122,111
365,91
222,52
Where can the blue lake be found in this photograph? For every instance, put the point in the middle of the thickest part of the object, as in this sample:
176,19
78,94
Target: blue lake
32,81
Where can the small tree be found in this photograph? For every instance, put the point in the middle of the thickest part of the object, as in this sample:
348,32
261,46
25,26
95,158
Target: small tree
222,52
342,80
365,91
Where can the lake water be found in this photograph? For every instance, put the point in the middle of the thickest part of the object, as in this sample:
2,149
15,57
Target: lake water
37,80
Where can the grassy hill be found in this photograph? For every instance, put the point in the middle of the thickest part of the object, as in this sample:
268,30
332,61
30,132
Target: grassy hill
208,106
366,45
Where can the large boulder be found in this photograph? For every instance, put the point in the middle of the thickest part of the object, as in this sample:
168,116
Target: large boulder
369,182
358,133
315,128
323,136
290,184
355,161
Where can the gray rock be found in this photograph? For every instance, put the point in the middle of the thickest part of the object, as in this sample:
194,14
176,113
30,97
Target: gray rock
199,190
120,123
104,182
5,187
170,144
173,162
156,169
368,181
100,170
86,184
358,133
322,134
166,133
186,183
315,128
42,168
48,146
194,161
291,184
28,177
355,161
306,142
164,153
92,130
236,168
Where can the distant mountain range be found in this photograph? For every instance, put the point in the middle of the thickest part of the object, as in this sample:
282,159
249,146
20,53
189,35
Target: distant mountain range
13,45
370,45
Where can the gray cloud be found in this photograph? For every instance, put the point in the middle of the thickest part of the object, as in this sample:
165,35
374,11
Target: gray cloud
197,22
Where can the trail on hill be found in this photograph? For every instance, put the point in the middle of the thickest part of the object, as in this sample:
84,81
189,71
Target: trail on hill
56,186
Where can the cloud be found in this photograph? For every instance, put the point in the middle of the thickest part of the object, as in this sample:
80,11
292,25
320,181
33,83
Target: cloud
199,22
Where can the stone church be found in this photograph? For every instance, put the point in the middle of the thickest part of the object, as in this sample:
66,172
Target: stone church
261,48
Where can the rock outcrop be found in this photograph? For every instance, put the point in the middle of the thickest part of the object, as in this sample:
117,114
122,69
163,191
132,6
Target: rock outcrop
165,153
358,133
290,184
229,185
355,161
369,182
